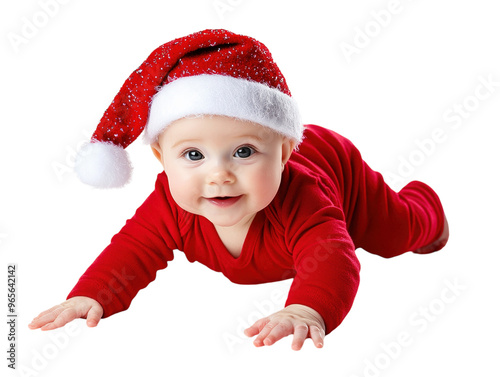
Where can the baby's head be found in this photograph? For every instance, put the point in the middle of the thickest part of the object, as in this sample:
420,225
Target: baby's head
214,107
222,168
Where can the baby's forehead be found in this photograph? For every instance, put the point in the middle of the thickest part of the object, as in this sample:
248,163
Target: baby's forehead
216,126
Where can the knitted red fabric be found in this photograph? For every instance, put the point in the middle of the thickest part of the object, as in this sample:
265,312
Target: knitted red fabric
329,203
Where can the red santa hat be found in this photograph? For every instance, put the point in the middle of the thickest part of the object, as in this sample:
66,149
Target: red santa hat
212,72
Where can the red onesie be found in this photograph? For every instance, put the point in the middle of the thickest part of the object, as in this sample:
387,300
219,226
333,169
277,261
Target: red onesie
329,203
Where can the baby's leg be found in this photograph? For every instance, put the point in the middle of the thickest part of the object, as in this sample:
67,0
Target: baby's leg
388,223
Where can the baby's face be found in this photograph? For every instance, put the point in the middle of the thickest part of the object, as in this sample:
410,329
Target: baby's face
222,168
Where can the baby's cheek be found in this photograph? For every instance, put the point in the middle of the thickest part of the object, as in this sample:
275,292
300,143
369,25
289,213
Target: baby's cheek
268,186
183,191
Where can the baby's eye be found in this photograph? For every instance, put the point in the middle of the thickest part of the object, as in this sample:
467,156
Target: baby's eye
193,155
244,152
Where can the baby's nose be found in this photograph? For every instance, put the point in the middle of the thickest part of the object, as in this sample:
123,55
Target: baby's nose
221,175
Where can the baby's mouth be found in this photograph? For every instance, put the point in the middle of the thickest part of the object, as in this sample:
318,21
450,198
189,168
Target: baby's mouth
224,201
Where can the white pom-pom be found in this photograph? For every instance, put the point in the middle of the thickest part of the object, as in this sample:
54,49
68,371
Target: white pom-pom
103,165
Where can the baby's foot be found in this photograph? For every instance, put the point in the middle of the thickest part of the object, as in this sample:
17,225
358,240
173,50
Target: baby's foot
438,244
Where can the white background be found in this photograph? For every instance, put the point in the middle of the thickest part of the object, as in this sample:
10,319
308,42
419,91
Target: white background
391,94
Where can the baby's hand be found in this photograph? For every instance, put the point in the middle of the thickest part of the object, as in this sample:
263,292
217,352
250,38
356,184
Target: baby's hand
75,307
299,320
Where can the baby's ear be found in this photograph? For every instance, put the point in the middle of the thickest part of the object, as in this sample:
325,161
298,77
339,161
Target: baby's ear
155,147
287,149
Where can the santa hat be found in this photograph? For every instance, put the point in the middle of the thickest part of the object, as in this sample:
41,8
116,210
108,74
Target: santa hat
212,72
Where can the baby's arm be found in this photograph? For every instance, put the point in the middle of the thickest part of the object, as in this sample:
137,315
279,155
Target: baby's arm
326,269
75,307
299,320
128,264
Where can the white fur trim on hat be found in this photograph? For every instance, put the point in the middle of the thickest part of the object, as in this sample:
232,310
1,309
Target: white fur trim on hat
223,95
103,165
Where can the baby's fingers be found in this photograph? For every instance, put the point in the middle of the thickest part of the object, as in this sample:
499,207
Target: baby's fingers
67,315
256,327
94,316
300,333
274,331
317,336
46,317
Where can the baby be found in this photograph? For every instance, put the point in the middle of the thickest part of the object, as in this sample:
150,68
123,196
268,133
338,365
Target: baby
247,190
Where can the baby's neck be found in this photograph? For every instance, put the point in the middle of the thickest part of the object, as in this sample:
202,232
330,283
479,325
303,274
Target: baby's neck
233,237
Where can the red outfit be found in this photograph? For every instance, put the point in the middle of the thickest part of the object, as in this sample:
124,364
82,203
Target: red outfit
329,203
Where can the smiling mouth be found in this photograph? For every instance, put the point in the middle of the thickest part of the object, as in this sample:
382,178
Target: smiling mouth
224,201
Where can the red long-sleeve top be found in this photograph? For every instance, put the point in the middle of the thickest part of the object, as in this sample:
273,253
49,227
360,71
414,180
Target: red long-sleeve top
302,234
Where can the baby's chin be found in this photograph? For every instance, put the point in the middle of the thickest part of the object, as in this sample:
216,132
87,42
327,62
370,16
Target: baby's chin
225,217
229,222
